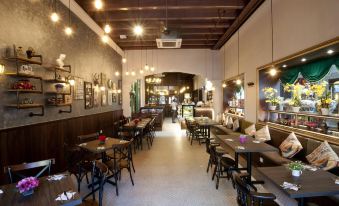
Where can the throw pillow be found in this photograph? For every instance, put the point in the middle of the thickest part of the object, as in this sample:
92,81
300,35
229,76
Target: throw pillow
236,125
225,120
324,157
229,122
263,134
290,146
250,130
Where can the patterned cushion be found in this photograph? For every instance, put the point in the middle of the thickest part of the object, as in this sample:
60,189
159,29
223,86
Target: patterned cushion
324,157
229,122
290,146
263,134
225,119
250,130
236,125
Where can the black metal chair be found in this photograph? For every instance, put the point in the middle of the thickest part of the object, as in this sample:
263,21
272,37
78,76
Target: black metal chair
15,172
99,177
246,196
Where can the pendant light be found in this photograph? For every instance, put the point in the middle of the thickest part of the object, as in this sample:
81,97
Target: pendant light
146,65
224,83
273,71
98,4
141,70
68,29
152,67
138,30
127,72
54,16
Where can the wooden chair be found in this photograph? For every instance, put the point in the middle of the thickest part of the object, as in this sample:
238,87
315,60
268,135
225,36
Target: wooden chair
99,177
246,196
88,137
15,171
121,159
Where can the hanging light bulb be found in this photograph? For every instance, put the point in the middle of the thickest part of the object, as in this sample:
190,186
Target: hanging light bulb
105,38
141,71
146,67
124,60
102,88
98,4
133,73
107,29
238,81
138,30
127,73
117,73
273,72
55,17
224,85
68,31
152,69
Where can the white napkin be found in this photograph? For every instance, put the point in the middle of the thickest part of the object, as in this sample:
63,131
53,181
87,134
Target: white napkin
336,182
1,192
231,140
100,148
291,186
63,197
56,177
83,144
240,147
256,141
310,167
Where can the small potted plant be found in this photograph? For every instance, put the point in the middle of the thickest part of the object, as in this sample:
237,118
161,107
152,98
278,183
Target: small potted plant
324,104
27,185
296,167
271,97
295,103
295,90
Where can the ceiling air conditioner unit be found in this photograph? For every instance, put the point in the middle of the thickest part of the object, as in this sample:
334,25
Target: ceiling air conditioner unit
169,40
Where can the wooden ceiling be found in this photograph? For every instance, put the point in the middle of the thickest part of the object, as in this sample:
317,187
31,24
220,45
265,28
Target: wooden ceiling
200,23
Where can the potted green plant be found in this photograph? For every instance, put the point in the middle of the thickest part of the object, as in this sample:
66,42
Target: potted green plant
296,167
271,97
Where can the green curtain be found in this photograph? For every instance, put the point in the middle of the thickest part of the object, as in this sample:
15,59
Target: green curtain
313,71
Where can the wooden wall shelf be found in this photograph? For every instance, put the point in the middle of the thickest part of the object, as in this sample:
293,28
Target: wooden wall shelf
55,81
24,91
25,60
24,106
62,69
21,75
59,93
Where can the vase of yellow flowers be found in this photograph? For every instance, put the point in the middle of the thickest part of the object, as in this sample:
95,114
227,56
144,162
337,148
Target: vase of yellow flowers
272,97
295,90
324,98
324,104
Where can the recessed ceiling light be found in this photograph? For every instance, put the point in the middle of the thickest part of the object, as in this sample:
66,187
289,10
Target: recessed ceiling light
330,51
284,65
138,30
303,59
98,4
107,29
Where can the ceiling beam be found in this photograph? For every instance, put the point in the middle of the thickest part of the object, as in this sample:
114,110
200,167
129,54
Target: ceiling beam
243,16
163,18
174,26
182,47
153,40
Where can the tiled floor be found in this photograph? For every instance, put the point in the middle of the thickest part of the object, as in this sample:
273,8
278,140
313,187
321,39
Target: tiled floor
171,173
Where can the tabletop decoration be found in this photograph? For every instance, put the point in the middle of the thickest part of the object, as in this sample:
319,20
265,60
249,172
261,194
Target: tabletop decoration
231,140
242,139
102,139
56,177
26,186
240,147
65,196
256,141
296,167
100,148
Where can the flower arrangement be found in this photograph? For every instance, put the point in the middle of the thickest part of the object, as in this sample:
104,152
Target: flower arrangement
319,89
296,90
27,184
271,96
296,165
325,101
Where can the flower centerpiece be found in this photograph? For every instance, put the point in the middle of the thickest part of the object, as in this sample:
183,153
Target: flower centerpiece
26,186
295,90
271,97
296,167
102,139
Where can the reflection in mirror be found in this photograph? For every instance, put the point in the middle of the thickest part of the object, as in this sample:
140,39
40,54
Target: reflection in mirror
302,91
234,95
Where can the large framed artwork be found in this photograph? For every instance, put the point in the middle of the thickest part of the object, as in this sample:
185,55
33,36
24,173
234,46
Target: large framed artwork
110,98
96,96
78,88
88,95
104,98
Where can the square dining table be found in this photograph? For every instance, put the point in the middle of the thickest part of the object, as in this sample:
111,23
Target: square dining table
248,147
205,125
313,183
44,194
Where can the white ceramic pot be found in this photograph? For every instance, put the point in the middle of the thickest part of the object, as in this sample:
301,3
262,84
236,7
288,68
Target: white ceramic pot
325,111
281,107
295,109
296,173
272,107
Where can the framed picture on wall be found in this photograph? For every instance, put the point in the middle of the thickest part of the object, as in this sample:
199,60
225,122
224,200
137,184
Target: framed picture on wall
114,98
88,95
78,88
104,98
96,96
120,93
109,98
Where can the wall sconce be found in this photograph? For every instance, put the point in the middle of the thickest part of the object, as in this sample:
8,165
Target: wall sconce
2,68
119,91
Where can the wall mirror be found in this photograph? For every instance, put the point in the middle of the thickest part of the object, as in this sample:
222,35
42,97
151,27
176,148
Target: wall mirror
234,95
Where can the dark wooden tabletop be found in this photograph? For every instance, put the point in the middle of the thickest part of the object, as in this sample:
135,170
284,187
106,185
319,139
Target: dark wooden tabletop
44,194
233,141
95,146
205,121
141,125
313,183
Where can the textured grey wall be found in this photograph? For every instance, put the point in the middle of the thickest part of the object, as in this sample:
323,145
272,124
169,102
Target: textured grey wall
26,23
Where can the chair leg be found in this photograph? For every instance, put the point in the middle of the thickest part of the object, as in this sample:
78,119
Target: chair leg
209,164
116,183
130,175
87,178
214,172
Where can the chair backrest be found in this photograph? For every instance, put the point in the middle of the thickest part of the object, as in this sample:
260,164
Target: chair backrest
88,137
15,171
122,152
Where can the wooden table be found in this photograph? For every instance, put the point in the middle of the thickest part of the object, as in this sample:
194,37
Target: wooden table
139,127
313,183
45,194
94,146
205,124
233,141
